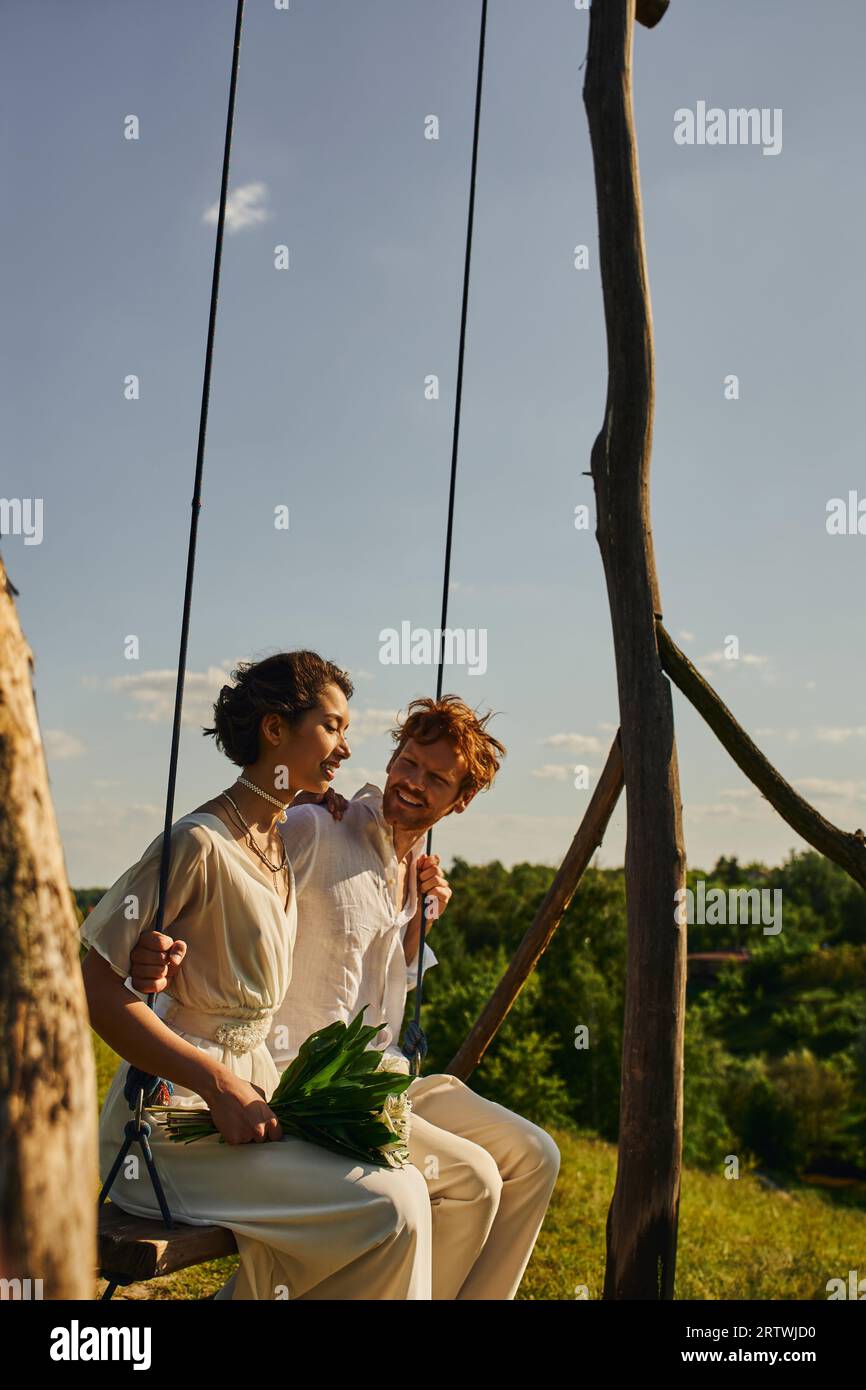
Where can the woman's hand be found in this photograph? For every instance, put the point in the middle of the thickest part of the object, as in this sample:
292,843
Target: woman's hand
154,961
335,803
240,1111
432,882
331,800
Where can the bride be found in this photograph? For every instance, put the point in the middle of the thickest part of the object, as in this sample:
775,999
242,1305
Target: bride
309,1224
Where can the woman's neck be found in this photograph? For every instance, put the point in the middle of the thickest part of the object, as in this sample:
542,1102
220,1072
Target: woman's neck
258,812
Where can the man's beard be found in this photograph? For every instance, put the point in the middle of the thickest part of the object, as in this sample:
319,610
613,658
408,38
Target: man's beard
403,814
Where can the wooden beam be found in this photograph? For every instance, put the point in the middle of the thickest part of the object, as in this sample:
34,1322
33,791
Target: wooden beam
589,836
48,1174
642,1220
134,1248
846,848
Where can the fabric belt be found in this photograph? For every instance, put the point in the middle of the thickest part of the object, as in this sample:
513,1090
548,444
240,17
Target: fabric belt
239,1035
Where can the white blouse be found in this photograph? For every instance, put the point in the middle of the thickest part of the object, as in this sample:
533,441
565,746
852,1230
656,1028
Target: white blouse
227,910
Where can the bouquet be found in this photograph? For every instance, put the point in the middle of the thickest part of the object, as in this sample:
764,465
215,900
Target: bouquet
336,1093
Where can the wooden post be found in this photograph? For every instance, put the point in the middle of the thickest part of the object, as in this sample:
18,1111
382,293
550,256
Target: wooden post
642,1220
48,1174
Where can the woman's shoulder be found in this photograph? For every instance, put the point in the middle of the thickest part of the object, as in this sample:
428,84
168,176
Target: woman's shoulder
195,833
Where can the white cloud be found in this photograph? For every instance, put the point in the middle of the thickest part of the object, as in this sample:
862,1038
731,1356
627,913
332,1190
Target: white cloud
721,658
833,789
717,810
841,734
152,692
575,743
59,745
481,836
244,207
685,636
366,723
352,777
725,663
552,772
103,838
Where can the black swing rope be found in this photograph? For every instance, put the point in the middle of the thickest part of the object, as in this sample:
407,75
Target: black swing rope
415,1044
139,1084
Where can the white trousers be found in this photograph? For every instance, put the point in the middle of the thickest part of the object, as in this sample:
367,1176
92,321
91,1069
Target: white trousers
309,1224
489,1176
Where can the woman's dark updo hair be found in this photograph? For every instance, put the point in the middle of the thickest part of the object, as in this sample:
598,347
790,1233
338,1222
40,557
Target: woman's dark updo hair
288,684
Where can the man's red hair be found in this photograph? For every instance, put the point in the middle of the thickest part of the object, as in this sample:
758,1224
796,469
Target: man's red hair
428,720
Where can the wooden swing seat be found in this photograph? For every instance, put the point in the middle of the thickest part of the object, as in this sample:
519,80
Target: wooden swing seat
133,1249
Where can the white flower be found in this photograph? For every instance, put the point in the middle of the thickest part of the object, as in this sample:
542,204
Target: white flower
396,1116
389,1062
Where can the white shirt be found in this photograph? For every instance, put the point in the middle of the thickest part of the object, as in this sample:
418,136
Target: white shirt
349,943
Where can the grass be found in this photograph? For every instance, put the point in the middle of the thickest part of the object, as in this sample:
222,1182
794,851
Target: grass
736,1239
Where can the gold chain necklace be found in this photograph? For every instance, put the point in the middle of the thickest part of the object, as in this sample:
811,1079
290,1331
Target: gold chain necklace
274,868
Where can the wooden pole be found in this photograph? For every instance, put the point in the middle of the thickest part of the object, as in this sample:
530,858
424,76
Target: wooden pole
642,1220
548,917
48,1174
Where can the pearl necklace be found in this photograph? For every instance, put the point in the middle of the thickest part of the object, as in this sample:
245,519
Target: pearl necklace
272,799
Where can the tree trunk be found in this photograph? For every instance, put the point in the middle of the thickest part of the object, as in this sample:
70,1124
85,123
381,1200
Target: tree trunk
48,1174
642,1221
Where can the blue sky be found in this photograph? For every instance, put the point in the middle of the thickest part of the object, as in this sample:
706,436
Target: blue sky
318,402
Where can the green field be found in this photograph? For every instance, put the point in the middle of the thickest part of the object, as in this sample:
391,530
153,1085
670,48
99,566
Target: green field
736,1239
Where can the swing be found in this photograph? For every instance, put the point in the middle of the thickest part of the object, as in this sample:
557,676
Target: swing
133,1248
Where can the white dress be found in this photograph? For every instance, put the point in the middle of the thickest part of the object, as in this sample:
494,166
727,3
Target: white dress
309,1223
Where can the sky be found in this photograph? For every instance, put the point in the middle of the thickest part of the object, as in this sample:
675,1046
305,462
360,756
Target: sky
319,396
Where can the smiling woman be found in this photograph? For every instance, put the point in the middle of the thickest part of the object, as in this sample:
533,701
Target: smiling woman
290,683
304,1218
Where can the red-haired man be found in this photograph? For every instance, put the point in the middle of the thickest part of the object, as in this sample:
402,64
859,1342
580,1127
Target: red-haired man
361,878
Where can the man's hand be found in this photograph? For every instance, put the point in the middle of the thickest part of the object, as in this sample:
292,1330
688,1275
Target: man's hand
432,882
331,800
154,961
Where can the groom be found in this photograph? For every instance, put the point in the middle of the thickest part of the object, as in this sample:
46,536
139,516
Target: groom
490,1173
